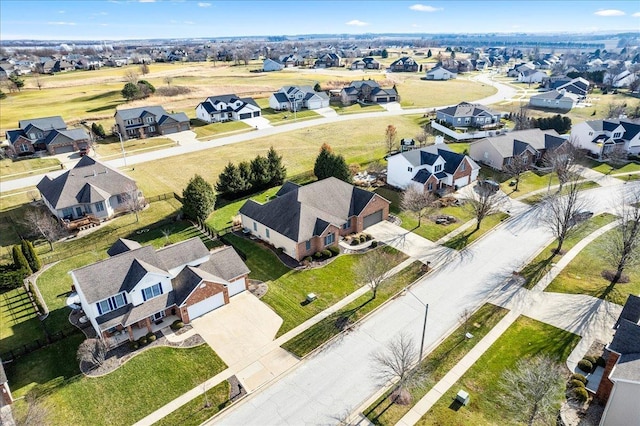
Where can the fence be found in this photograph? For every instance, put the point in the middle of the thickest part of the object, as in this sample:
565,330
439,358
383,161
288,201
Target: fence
465,136
37,344
165,196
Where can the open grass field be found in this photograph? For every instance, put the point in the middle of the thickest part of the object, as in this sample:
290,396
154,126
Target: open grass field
19,324
18,169
204,130
417,93
142,385
109,151
583,276
199,409
526,337
437,363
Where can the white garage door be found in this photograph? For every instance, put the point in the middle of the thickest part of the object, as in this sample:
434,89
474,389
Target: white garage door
463,181
207,305
236,287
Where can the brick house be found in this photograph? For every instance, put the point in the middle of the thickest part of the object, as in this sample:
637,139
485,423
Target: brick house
146,122
368,91
138,288
404,64
48,134
303,220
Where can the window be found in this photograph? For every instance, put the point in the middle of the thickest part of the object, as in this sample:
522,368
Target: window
463,166
149,119
255,226
32,135
24,148
430,186
329,239
590,133
67,212
409,169
151,292
347,224
437,168
111,304
40,135
267,232
152,128
99,207
617,135
307,245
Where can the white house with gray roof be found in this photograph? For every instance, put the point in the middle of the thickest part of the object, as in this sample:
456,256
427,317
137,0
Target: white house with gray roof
602,137
140,288
46,134
89,188
149,121
554,99
216,109
466,114
295,98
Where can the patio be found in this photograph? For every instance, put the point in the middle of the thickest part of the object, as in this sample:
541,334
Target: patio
122,336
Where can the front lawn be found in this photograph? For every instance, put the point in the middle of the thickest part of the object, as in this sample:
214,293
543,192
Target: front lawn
114,149
196,411
321,332
136,389
583,186
286,117
438,363
356,108
529,181
525,338
543,262
583,276
467,237
262,262
10,169
615,169
209,131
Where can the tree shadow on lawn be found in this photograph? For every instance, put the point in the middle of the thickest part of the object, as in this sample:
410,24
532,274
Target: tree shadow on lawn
460,241
109,106
533,272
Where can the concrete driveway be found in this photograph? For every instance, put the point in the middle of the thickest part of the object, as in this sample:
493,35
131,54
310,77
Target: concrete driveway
186,137
238,329
258,122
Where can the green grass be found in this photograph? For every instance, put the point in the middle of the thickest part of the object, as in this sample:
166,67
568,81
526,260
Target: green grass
262,262
542,263
620,171
195,412
286,117
321,332
136,389
208,131
465,238
459,147
583,275
437,363
536,198
223,215
525,338
356,108
10,169
529,181
415,93
112,150
19,324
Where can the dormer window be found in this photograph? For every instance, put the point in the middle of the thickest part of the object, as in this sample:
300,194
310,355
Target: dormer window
151,292
112,303
437,168
617,135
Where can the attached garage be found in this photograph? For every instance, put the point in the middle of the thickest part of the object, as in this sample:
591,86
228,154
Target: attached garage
63,149
169,130
207,305
256,113
245,115
372,219
381,99
237,287
460,182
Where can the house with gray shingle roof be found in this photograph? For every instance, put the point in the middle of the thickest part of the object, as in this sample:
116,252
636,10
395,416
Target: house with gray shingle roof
404,64
89,188
602,137
139,287
149,121
466,114
295,98
303,220
554,99
216,109
45,134
367,91
530,145
440,73
433,168
620,384
328,60
367,63
532,76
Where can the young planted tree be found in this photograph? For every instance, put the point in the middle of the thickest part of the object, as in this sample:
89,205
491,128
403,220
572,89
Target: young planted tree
167,80
30,254
563,161
42,224
20,261
417,201
198,199
484,200
92,352
396,363
532,390
131,77
132,200
516,166
144,68
373,269
390,136
621,248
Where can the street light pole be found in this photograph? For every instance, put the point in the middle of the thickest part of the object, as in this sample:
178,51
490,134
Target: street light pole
124,156
424,325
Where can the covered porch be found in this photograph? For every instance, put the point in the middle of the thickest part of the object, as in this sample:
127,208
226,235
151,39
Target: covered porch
141,328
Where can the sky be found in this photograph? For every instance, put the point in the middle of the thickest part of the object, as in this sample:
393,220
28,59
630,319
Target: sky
144,19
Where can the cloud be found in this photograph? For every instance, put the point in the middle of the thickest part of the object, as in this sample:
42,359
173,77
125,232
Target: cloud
415,26
61,23
61,11
424,8
636,15
202,4
189,23
147,1
357,23
609,12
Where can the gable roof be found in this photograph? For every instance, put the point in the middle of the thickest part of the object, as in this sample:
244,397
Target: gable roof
87,182
630,311
299,213
122,245
553,95
510,144
211,102
225,263
182,253
157,111
466,109
627,338
45,123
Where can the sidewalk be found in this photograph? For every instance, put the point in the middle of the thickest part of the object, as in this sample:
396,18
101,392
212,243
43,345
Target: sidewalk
264,355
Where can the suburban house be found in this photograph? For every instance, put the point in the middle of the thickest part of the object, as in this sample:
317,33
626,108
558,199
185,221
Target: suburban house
89,188
328,60
532,76
57,65
404,64
577,86
367,91
45,134
620,384
5,393
554,99
130,293
468,115
145,122
435,168
367,63
601,137
518,68
303,220
621,79
530,144
216,109
271,65
294,98
440,73
292,60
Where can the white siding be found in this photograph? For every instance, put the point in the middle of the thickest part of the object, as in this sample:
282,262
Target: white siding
135,296
274,238
622,407
202,114
398,173
236,287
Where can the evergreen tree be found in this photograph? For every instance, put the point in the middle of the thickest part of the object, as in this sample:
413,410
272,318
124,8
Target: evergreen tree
259,172
329,164
230,181
20,262
317,87
2,95
130,91
198,199
19,82
30,254
246,176
429,54
384,53
277,171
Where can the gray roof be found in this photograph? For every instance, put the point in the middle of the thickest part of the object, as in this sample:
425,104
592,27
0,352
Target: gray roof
627,368
88,182
225,263
45,123
627,338
122,245
552,94
465,109
300,213
630,310
537,139
182,253
64,136
159,112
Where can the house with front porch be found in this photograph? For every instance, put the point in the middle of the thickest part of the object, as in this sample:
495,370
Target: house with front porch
48,134
149,121
295,98
433,168
404,64
602,137
89,188
303,220
218,109
469,115
368,91
140,288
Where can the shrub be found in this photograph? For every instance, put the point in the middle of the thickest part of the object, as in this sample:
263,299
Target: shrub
20,261
578,376
580,394
362,239
591,359
280,250
355,242
374,244
308,259
177,325
326,253
335,250
134,345
368,237
575,383
318,255
601,362
585,365
143,341
151,337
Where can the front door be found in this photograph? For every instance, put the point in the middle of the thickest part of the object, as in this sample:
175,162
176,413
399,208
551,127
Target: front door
79,212
158,316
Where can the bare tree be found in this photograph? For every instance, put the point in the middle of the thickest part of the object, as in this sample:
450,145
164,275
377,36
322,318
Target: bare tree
390,135
484,200
37,80
168,79
144,68
396,363
131,77
622,244
41,223
615,110
132,200
464,318
561,211
618,155
563,161
515,167
373,269
531,391
521,119
36,412
417,201
92,352
376,167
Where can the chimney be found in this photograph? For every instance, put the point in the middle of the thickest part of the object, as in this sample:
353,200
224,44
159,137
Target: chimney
94,173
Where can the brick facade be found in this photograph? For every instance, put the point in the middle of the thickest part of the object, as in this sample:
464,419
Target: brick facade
606,385
201,293
459,173
376,203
